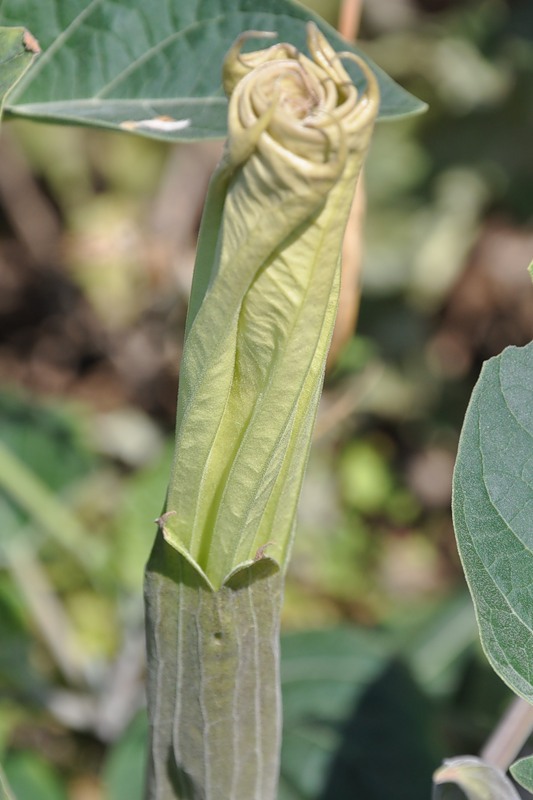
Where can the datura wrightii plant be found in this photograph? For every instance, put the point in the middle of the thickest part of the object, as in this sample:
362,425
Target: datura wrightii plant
260,320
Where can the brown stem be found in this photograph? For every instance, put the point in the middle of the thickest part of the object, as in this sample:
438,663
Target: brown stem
349,20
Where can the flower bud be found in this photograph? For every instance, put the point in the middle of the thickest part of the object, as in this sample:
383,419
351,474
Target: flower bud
263,302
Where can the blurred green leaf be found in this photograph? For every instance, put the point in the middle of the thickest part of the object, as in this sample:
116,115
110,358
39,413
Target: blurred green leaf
33,497
16,669
478,781
437,651
140,505
110,64
30,777
124,769
492,504
47,438
5,791
354,722
522,772
42,452
17,51
365,477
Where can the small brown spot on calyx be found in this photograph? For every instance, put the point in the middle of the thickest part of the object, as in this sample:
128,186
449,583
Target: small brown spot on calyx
30,43
160,521
260,553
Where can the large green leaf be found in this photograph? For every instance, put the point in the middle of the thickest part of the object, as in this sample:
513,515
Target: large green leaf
355,725
17,50
493,512
113,62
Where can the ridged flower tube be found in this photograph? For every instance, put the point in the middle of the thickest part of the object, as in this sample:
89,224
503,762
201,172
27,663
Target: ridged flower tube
260,321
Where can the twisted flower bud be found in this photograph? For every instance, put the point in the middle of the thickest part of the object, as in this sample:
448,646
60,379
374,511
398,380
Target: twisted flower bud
260,320
263,301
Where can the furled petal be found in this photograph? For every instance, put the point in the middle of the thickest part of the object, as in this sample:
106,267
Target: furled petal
263,302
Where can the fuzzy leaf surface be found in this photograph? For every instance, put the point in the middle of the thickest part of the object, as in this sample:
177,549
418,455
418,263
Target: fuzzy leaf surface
493,512
522,771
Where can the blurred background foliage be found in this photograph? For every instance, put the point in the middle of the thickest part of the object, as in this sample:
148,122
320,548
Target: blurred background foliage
382,672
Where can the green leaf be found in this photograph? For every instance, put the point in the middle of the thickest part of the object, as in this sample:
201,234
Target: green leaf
437,651
35,499
49,439
493,512
110,63
17,51
355,723
522,772
18,673
324,675
478,781
5,791
123,774
30,776
41,454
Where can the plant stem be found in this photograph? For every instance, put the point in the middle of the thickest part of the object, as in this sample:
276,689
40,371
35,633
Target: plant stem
350,18
352,246
506,741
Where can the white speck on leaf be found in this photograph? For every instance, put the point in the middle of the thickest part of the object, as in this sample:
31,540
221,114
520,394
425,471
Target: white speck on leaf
162,124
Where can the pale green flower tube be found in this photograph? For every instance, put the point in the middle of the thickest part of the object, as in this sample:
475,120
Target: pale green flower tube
260,321
264,302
